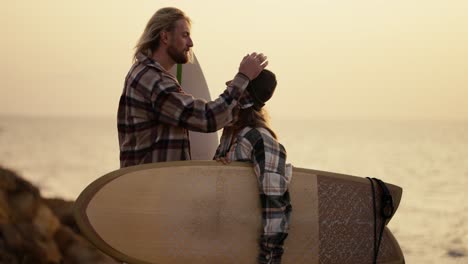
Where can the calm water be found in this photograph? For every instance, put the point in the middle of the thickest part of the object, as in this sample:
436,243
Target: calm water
428,159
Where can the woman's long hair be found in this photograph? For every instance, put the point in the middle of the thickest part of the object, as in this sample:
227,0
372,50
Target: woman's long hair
255,119
163,19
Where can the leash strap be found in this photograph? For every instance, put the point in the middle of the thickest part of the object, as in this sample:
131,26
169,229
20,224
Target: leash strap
387,211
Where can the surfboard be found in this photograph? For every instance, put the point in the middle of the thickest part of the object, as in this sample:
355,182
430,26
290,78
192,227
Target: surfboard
192,80
206,212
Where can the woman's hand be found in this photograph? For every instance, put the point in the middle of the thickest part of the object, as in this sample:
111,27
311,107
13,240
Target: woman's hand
224,160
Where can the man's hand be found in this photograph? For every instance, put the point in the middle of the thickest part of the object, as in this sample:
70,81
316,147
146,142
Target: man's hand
252,64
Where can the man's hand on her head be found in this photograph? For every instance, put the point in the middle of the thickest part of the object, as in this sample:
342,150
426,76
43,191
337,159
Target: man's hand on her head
252,64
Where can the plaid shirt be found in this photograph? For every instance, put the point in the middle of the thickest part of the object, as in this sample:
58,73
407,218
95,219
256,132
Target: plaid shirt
155,114
273,174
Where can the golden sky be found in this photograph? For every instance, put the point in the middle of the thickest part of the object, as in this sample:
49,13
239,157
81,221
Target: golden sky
334,59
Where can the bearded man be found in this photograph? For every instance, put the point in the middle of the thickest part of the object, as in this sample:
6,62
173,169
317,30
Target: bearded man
155,113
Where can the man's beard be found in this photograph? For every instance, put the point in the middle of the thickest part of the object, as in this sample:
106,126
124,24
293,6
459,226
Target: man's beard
178,57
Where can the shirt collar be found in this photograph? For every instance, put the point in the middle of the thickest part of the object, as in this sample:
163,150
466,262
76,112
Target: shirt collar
246,100
142,58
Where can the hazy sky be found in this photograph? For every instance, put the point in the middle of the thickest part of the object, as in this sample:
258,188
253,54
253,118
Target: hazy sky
379,59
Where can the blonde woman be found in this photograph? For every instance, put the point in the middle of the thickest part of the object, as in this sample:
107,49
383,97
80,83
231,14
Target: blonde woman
250,138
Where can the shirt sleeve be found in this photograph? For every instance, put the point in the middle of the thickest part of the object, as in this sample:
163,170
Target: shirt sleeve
269,160
224,142
174,107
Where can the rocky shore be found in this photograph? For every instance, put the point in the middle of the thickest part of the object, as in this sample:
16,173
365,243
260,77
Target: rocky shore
36,230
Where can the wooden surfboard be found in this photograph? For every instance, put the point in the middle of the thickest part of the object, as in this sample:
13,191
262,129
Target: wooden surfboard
191,78
206,212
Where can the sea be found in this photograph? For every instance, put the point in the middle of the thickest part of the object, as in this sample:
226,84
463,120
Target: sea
428,159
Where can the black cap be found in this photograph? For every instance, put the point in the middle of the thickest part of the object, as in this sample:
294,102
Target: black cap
261,89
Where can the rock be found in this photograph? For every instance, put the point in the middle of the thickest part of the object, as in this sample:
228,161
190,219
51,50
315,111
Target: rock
7,179
34,230
64,237
23,206
77,253
51,250
46,222
23,197
12,237
82,252
31,249
64,211
7,257
10,181
4,208
78,250
61,208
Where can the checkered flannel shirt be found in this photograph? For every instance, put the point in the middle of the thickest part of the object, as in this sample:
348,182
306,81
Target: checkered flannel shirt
155,114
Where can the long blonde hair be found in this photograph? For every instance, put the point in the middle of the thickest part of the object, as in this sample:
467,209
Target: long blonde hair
255,119
163,20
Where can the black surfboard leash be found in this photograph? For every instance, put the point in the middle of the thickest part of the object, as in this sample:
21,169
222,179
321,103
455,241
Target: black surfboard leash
387,211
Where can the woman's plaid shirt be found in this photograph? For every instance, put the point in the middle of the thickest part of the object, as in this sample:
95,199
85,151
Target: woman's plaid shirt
155,114
268,156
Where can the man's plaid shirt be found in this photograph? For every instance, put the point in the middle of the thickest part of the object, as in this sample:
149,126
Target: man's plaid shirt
268,156
155,114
